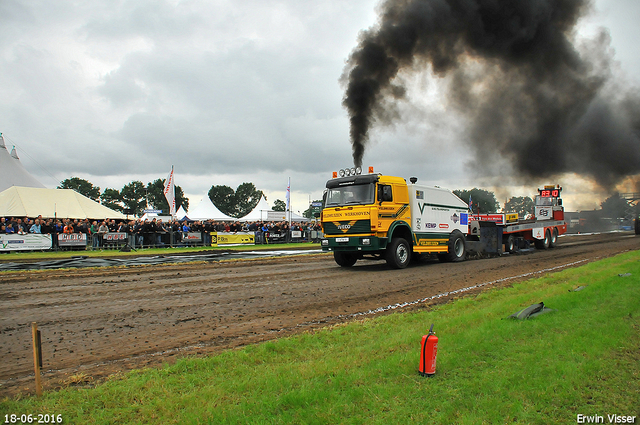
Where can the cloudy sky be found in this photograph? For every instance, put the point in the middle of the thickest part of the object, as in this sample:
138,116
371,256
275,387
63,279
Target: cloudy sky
226,92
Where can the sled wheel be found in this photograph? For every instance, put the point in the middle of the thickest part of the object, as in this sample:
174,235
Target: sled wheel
544,243
510,245
554,238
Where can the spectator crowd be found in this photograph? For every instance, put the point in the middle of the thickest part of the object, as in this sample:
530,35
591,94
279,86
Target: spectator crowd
155,233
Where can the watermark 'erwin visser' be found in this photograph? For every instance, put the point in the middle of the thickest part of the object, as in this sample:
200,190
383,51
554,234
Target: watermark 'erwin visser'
610,419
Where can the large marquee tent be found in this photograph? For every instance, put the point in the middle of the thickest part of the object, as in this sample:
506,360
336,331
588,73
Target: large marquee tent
52,203
12,172
263,212
259,212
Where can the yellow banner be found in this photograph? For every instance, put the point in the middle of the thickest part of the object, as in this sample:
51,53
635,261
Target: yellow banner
224,238
512,218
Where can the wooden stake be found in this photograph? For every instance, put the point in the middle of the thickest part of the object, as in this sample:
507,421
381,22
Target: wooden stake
37,356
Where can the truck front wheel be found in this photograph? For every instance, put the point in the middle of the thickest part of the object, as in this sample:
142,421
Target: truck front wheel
344,259
398,253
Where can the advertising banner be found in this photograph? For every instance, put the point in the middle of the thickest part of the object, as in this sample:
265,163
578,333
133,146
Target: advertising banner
296,234
544,213
275,237
192,237
72,239
115,236
30,242
315,234
276,216
225,238
497,218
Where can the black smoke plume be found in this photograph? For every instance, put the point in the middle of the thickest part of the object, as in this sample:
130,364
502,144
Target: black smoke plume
514,70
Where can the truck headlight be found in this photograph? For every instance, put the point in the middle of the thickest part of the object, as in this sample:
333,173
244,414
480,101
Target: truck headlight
366,241
325,242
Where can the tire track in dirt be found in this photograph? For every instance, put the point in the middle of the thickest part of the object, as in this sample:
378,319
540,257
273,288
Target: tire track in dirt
100,321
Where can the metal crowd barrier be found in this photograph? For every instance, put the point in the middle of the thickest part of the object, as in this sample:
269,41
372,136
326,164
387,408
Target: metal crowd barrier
126,241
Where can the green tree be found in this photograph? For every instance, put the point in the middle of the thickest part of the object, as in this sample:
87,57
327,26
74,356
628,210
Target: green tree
111,199
484,201
279,205
81,186
247,197
236,203
155,194
522,205
134,197
223,197
614,206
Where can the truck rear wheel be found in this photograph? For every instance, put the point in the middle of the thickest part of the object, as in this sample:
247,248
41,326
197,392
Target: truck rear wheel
344,259
398,253
457,248
544,243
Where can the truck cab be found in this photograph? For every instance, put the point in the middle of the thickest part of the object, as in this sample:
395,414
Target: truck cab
378,216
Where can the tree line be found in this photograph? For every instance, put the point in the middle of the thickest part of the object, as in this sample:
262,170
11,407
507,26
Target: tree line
485,201
133,198
136,197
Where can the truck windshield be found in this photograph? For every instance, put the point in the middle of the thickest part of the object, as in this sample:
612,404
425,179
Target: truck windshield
545,202
361,194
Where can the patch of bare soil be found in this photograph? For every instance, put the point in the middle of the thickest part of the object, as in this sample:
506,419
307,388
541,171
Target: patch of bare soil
96,322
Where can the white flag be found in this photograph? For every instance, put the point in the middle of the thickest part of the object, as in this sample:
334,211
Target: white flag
170,193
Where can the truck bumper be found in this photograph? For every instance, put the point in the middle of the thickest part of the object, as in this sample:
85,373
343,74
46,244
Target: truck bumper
353,243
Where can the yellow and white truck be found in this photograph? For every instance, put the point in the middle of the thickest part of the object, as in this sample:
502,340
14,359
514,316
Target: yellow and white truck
384,217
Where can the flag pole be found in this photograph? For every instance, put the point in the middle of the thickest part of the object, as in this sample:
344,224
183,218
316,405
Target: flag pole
289,201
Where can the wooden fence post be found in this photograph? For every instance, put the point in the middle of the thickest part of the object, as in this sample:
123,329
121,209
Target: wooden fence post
37,356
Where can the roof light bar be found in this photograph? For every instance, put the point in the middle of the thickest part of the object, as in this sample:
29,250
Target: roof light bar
353,171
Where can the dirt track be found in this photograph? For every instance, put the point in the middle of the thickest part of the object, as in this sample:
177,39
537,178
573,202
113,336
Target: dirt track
97,322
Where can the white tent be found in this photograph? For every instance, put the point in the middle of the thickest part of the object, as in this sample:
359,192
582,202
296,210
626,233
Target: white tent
12,172
50,203
260,212
181,214
205,210
151,216
295,217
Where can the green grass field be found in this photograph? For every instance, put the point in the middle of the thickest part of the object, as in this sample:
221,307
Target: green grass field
581,359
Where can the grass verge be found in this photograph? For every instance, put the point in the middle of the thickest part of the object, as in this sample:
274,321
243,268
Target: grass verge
581,359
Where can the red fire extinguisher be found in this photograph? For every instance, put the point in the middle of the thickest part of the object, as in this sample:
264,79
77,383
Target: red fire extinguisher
428,354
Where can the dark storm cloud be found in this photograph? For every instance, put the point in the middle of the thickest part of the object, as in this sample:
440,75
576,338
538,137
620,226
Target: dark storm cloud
513,69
